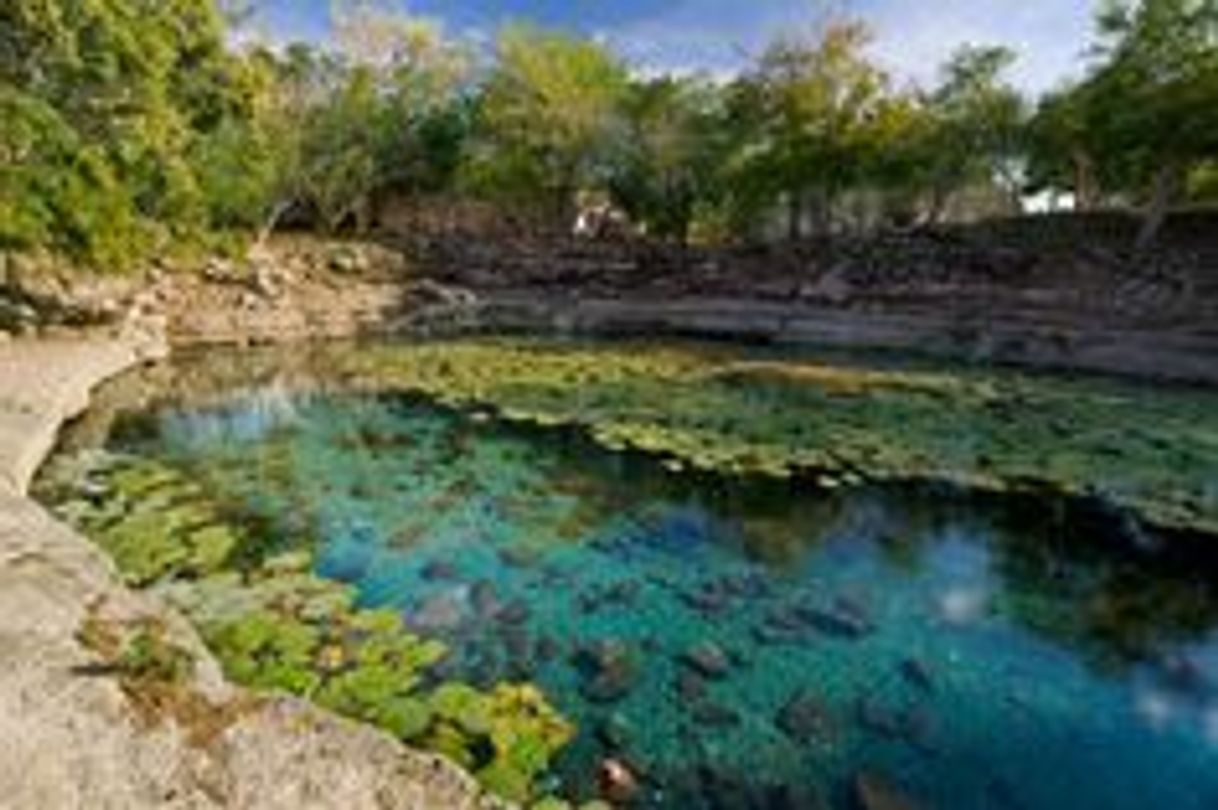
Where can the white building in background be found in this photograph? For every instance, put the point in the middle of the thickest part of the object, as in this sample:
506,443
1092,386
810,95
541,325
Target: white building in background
1048,202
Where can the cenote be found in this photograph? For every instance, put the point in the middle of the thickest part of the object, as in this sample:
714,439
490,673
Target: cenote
732,639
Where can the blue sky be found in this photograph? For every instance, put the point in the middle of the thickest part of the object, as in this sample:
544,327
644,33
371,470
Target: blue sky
913,35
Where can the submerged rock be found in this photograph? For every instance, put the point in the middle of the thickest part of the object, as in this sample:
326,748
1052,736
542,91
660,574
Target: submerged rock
917,673
514,612
441,613
707,599
878,719
844,618
548,648
714,715
615,732
690,686
804,717
617,782
708,659
618,594
440,571
484,597
610,670
873,791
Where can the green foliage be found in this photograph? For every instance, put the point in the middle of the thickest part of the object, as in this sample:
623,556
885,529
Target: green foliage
670,176
109,100
546,120
279,627
979,122
131,129
164,527
822,109
364,664
508,736
1147,451
1143,121
149,656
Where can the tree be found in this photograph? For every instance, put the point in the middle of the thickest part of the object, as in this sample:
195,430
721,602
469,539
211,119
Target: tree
122,95
980,126
1153,95
671,159
816,100
547,120
1063,151
384,114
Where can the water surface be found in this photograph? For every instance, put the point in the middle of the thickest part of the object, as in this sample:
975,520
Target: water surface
741,642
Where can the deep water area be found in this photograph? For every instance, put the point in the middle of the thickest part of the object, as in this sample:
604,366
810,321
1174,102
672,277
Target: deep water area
724,641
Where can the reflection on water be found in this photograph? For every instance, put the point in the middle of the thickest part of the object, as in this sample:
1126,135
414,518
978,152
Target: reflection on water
747,643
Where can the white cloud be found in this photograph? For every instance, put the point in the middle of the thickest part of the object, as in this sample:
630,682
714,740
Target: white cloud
1050,36
914,37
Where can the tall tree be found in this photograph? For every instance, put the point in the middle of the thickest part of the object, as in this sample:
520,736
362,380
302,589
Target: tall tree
816,99
980,125
1154,93
126,90
675,146
548,118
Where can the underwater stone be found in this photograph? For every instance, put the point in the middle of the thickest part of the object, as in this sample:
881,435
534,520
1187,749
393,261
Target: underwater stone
804,717
440,571
708,659
873,791
615,732
715,715
794,797
617,782
690,686
706,599
548,648
610,669
880,720
441,613
520,556
771,636
619,594
748,585
917,673
843,618
514,612
484,597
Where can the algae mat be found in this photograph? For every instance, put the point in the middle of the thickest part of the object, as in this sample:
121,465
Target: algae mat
1152,450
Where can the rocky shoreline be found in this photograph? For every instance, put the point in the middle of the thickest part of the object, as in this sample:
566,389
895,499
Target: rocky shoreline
302,288
75,738
84,730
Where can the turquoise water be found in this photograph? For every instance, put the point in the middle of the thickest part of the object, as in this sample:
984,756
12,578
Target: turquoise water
746,643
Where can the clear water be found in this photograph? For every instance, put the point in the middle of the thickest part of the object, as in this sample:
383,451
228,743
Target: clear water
976,653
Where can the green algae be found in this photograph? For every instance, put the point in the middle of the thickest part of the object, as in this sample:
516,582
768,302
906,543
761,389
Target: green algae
1151,451
279,627
157,524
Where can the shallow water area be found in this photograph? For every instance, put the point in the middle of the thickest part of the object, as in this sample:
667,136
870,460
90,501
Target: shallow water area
731,641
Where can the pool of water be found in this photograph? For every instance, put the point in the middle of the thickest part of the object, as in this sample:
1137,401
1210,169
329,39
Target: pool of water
744,642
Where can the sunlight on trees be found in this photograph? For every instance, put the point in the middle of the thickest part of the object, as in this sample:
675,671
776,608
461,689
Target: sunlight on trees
129,133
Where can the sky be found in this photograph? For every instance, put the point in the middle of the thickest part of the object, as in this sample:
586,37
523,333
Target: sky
913,36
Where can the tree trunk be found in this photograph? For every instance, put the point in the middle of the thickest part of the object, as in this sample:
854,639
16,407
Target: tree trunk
795,216
1085,192
938,204
822,212
1167,183
272,220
